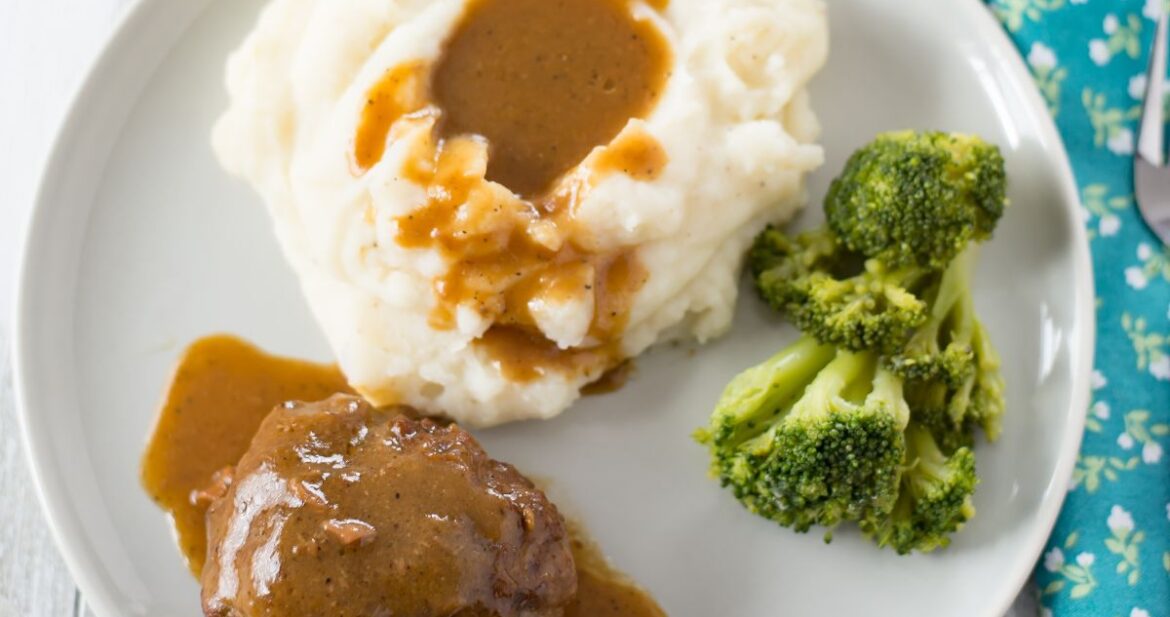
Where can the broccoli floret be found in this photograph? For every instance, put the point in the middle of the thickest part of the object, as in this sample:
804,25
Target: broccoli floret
955,412
941,348
871,416
917,198
987,402
783,266
950,366
935,498
811,437
755,397
932,404
808,252
835,296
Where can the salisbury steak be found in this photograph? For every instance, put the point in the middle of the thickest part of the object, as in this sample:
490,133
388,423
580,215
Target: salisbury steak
341,510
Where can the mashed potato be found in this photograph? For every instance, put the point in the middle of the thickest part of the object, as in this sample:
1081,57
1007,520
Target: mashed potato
607,262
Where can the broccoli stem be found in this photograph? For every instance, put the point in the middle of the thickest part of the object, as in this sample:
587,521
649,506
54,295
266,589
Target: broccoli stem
834,382
988,399
955,298
887,392
953,293
755,398
924,456
964,330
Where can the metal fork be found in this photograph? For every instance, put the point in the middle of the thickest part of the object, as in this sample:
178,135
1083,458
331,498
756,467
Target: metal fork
1151,178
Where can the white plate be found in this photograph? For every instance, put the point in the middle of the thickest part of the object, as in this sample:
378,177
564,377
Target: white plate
139,244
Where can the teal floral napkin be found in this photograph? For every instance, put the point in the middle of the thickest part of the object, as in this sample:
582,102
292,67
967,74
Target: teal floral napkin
1109,555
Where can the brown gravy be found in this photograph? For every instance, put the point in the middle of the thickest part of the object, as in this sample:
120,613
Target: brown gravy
546,81
401,91
524,91
634,153
602,592
524,356
223,388
339,509
613,380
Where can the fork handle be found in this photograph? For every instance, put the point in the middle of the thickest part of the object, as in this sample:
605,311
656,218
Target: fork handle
1150,140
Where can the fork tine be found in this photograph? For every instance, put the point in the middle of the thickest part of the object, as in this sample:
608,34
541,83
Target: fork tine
1150,138
1151,179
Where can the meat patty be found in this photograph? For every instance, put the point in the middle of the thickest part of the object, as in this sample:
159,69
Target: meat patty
342,510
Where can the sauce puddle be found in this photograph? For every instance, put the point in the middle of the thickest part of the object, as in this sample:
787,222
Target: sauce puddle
222,389
602,591
546,81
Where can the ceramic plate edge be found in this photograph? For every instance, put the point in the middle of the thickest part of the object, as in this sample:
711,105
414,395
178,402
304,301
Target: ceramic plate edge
1085,315
79,565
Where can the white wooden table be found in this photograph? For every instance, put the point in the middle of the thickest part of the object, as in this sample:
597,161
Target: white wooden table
45,47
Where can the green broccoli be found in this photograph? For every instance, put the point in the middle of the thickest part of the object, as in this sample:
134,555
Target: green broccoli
950,367
929,409
986,387
954,411
903,208
810,277
871,416
917,198
756,396
811,437
935,498
941,348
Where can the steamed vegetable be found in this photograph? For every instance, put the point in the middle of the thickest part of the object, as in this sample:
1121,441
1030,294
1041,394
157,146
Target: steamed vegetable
870,417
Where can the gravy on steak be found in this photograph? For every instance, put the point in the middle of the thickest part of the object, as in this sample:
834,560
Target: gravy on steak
340,509
342,534
221,390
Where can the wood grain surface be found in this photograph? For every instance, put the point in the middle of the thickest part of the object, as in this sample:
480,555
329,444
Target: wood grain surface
33,581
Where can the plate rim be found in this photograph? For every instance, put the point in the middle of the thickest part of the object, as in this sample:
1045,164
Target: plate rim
46,478
50,495
1085,351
